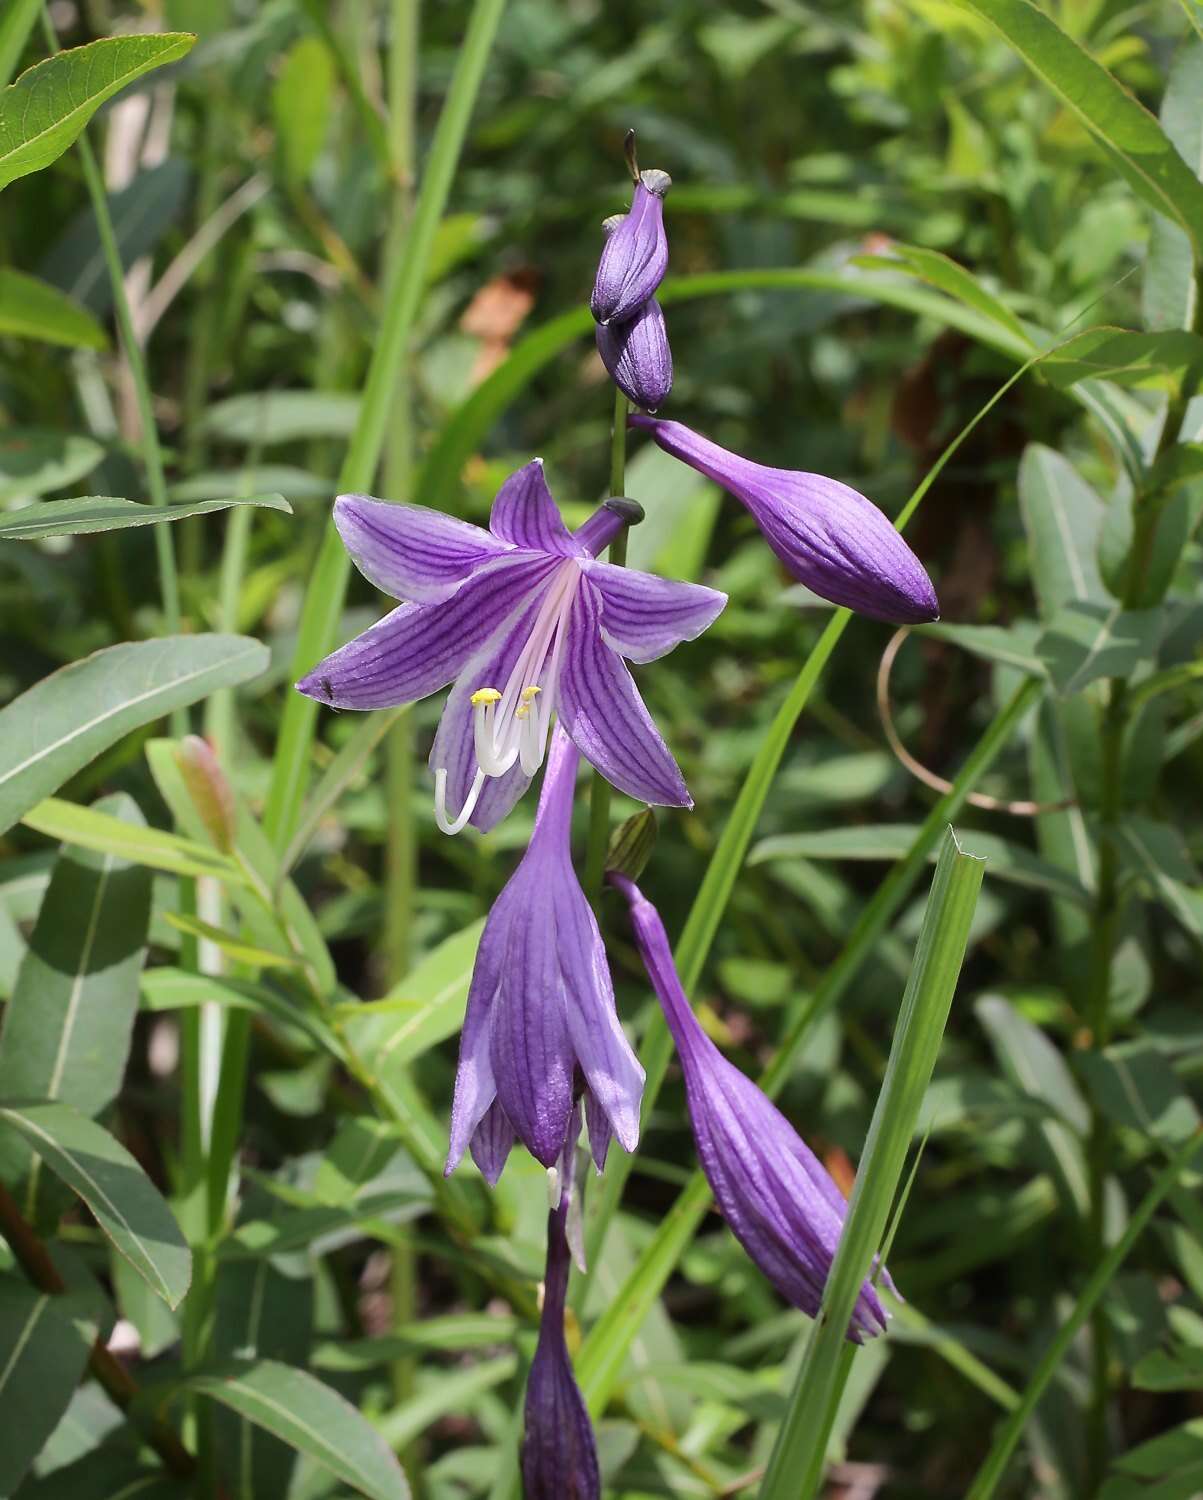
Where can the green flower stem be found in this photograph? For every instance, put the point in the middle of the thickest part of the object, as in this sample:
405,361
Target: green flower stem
796,1464
994,1467
404,282
599,795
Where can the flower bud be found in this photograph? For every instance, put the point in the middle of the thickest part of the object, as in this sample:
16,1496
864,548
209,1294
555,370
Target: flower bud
635,255
830,537
637,355
210,791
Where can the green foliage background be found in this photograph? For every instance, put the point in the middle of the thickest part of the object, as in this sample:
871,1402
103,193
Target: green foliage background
833,162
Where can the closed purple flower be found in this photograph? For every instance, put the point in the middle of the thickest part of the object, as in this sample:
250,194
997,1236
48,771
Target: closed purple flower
540,1023
637,355
528,624
830,537
781,1205
559,1451
635,256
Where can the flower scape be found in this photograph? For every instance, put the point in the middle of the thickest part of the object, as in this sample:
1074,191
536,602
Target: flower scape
533,631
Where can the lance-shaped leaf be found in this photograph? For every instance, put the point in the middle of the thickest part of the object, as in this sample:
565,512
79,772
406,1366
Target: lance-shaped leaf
1087,641
123,1200
93,513
66,1030
48,106
1132,139
64,721
36,459
32,309
309,1416
1160,361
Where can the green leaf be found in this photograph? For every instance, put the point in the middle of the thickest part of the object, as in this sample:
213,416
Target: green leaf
63,722
17,20
1134,1086
795,1465
90,828
1085,641
67,1028
1178,1370
1169,291
1160,361
123,1200
106,1473
94,513
33,309
301,99
945,274
310,1417
33,460
1063,518
1129,135
893,841
424,1009
1013,645
1036,1067
268,417
48,106
45,1340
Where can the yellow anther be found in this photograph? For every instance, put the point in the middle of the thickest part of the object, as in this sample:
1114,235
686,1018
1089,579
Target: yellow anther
530,692
522,712
485,695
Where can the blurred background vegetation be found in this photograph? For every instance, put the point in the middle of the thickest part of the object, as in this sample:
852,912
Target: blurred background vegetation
254,187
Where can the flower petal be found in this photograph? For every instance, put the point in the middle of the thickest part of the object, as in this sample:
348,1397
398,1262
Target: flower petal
475,1088
419,648
638,357
492,1142
528,1034
605,717
525,513
409,551
643,617
610,1067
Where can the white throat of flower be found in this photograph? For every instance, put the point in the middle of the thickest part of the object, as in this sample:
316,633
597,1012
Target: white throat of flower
511,724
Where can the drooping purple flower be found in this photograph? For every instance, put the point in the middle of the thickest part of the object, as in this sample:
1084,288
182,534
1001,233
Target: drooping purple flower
780,1202
540,1023
637,355
635,256
830,537
527,623
559,1451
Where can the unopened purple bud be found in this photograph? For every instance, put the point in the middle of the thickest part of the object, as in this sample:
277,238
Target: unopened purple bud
829,536
635,255
559,1451
781,1204
637,355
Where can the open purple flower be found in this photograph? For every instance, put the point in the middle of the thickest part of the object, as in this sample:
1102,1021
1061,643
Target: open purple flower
637,355
559,1451
780,1202
830,537
541,1022
635,255
528,624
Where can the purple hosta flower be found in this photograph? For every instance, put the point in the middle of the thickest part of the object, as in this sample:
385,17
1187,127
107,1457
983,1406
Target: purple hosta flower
635,255
829,537
527,623
540,1022
781,1204
637,355
559,1452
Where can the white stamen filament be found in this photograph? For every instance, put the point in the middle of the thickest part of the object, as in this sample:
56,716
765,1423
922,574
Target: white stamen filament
513,724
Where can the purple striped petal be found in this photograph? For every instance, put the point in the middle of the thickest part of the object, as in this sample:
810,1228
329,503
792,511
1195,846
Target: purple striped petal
419,648
611,1070
525,514
605,717
637,355
409,551
492,1142
475,1088
528,1035
829,536
643,616
635,255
